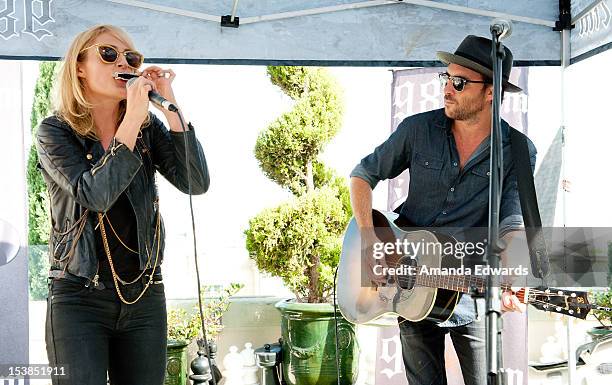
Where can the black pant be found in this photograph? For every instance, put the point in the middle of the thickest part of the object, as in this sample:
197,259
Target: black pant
423,352
91,331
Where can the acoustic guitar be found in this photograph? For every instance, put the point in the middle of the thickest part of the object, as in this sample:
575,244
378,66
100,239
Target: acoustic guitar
415,296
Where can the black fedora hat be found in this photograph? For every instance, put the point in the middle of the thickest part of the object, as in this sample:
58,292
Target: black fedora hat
474,53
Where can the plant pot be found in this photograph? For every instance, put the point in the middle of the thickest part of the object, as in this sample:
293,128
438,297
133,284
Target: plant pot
600,331
308,346
176,363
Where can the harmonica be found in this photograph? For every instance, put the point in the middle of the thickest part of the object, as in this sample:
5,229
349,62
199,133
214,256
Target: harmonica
124,75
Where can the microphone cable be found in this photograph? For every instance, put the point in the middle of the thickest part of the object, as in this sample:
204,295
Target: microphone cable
176,110
195,248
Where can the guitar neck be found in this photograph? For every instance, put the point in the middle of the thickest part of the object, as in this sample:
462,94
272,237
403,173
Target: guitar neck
461,283
573,304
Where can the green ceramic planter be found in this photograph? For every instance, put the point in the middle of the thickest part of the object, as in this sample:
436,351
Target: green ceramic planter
176,363
309,353
600,331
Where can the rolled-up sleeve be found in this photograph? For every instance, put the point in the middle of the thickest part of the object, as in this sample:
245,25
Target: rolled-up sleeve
510,208
388,159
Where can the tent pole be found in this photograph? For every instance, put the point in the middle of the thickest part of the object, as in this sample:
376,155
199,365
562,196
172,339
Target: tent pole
318,11
480,12
565,62
234,7
586,10
424,3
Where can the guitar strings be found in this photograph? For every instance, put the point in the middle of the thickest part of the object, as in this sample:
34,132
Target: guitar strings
479,283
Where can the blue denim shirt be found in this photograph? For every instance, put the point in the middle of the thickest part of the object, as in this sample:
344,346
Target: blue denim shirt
441,194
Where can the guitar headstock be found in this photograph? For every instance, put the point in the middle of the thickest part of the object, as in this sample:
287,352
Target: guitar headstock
569,302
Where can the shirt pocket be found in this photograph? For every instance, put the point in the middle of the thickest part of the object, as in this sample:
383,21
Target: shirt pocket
479,182
426,183
426,191
428,163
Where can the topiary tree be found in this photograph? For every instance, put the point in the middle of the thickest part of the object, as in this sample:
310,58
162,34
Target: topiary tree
300,240
38,201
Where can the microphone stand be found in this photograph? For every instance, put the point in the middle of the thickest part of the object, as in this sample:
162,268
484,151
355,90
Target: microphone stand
495,246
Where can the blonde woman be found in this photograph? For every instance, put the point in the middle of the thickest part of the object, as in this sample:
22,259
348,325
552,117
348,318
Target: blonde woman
99,153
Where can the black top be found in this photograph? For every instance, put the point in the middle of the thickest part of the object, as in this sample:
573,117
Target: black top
126,263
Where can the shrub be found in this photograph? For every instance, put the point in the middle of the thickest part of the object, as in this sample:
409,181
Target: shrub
299,241
38,200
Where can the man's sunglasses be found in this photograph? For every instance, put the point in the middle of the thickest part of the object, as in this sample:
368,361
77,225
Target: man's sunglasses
457,81
109,54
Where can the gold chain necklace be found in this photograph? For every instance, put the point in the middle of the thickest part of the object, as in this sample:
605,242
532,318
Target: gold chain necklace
116,278
117,235
107,248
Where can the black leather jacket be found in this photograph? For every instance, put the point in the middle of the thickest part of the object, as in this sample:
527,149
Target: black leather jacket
83,180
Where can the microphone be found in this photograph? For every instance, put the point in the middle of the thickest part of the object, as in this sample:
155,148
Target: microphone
156,98
502,28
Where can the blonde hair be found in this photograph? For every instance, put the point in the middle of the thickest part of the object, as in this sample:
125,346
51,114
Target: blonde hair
71,105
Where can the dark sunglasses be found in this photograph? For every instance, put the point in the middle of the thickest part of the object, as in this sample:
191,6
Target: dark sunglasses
457,81
109,54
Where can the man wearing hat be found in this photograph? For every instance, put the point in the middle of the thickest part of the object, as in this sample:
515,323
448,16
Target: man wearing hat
447,153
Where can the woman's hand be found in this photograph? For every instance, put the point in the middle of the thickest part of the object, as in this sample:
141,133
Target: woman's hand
136,111
137,107
162,79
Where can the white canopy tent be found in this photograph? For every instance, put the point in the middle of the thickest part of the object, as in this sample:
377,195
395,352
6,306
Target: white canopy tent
349,32
299,32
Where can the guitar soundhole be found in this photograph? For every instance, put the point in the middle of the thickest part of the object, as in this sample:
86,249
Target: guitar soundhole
406,281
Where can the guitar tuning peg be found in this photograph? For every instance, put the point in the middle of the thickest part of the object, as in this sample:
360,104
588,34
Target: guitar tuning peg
560,292
571,312
573,295
558,309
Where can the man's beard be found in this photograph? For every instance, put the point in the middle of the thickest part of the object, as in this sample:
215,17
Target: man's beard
467,109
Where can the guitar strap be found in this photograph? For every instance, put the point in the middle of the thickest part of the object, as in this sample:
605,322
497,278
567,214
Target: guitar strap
536,243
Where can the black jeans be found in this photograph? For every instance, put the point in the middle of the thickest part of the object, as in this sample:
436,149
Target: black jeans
423,352
91,332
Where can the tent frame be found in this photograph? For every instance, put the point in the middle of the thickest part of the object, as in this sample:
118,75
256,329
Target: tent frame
334,8
565,59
